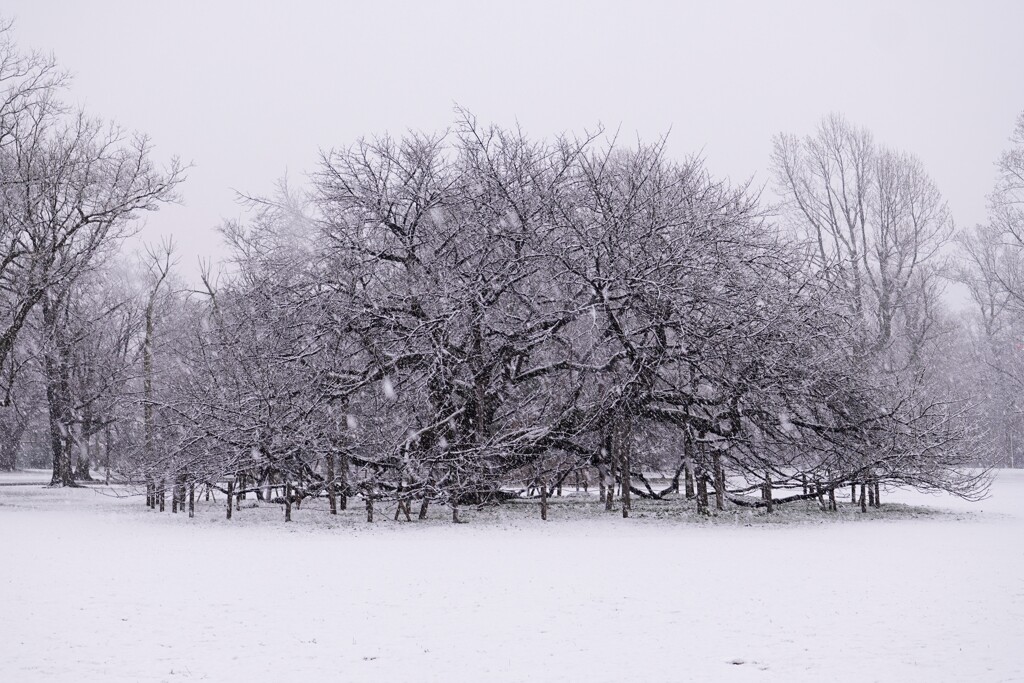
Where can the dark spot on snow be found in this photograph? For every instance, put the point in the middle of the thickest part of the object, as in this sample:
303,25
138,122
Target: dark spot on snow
737,662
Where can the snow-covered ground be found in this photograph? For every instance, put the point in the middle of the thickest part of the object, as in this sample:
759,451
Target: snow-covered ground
97,588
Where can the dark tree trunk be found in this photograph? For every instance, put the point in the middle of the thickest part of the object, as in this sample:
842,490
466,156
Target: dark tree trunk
863,498
719,481
191,499
832,499
878,495
768,493
56,366
231,497
702,490
424,506
288,501
343,481
108,444
331,497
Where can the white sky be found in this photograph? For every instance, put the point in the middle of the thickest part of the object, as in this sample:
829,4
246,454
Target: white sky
250,90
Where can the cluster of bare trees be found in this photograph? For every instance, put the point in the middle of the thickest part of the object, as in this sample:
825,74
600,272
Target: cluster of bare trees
70,187
994,274
460,318
455,319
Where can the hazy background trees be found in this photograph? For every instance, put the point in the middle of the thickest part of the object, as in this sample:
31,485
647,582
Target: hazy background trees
70,188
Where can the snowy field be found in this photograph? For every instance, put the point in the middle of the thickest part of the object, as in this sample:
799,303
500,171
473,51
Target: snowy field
95,587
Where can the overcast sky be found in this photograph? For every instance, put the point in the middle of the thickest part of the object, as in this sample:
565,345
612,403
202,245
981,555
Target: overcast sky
248,91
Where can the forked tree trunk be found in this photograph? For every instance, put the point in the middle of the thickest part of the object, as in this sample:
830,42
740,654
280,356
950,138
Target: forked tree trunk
404,508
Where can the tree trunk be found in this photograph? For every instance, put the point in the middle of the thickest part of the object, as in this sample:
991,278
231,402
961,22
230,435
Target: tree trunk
343,481
719,481
191,500
231,502
108,443
288,501
424,505
863,498
624,446
543,500
832,499
701,481
369,507
331,497
878,495
688,465
768,492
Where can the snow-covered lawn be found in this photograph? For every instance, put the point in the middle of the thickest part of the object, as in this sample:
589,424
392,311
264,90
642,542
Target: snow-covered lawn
97,588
